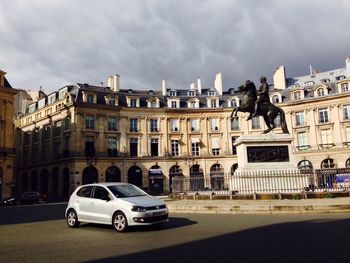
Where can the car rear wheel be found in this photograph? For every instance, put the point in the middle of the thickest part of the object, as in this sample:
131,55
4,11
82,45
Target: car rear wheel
72,219
120,223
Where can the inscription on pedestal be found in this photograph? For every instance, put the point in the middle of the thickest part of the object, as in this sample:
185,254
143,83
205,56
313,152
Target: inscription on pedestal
263,154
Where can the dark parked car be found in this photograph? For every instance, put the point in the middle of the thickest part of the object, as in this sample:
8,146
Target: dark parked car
30,197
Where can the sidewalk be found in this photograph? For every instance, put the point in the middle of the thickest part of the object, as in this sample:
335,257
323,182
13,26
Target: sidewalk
324,205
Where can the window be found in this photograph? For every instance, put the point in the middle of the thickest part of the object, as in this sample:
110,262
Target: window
154,125
344,87
347,163
46,132
90,98
234,103
299,118
112,123
174,125
67,123
234,124
323,115
347,134
172,93
233,140
26,139
112,146
58,128
175,148
174,104
89,122
35,154
45,152
133,103
154,147
89,146
215,146
193,104
297,95
346,112
133,125
154,104
305,165
195,148
320,92
85,191
36,135
133,146
327,163
111,101
277,121
275,99
100,193
191,93
195,125
213,103
255,123
302,140
326,136
56,150
66,142
214,124
211,93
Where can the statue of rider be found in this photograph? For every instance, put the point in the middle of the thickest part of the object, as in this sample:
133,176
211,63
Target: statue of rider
263,94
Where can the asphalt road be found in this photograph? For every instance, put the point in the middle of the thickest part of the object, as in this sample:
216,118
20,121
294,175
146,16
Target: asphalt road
40,234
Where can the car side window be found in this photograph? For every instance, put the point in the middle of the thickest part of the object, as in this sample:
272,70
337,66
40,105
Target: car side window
100,193
85,191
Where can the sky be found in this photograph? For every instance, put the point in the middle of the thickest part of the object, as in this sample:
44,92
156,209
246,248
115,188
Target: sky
55,43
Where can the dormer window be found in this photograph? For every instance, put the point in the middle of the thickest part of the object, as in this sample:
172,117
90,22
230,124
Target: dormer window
344,87
192,93
212,102
325,80
150,92
297,95
172,93
52,98
320,92
211,93
309,83
130,91
340,77
275,99
133,103
90,98
193,103
62,92
153,102
174,103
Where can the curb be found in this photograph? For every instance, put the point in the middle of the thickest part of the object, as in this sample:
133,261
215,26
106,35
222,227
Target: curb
256,208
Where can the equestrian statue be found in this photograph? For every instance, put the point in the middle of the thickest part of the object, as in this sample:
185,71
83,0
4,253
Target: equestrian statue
257,103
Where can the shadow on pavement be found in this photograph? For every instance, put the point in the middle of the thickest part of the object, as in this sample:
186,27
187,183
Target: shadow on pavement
174,222
31,213
308,241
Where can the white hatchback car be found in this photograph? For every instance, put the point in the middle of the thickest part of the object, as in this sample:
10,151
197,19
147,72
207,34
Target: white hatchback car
118,204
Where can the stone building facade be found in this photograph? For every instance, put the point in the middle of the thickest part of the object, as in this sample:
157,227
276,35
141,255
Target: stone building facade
83,133
7,150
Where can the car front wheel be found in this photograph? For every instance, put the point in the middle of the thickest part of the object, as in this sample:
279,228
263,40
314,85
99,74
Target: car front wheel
72,219
120,223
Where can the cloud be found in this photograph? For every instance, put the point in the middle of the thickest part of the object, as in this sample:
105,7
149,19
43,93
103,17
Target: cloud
54,43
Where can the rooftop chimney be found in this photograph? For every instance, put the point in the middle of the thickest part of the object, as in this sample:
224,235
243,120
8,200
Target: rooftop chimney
199,85
164,87
192,86
347,63
218,83
116,82
279,78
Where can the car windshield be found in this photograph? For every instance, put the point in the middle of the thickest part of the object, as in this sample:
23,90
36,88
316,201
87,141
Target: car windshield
126,190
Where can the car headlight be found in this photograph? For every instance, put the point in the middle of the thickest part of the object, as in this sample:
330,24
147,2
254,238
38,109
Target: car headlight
137,208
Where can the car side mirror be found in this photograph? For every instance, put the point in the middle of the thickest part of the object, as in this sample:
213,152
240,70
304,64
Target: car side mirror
106,198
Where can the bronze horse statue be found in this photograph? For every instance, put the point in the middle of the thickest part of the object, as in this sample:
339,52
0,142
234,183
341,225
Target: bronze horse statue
267,110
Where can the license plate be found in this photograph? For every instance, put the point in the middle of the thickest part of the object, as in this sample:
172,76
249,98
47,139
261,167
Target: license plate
158,213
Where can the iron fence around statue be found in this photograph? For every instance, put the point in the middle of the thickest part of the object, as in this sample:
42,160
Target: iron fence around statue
288,181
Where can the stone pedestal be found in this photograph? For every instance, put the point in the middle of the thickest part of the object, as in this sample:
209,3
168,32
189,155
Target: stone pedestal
265,152
266,165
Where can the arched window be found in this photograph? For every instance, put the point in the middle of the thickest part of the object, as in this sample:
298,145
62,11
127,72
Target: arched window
217,177
234,168
234,103
347,163
275,99
320,92
327,163
305,165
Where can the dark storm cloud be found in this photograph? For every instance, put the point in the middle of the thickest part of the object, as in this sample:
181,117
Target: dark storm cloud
53,43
